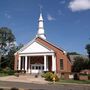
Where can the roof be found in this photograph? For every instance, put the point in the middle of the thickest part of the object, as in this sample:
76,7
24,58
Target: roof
25,46
59,48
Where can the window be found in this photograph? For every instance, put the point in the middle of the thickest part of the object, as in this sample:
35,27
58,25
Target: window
61,64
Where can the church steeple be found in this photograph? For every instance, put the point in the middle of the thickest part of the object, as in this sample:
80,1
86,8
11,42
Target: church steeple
40,32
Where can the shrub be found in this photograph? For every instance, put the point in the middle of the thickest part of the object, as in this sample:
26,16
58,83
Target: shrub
84,74
49,76
7,71
11,72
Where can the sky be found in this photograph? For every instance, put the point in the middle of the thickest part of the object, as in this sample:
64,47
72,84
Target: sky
66,22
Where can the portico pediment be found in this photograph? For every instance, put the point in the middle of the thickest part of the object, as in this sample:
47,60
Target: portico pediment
35,47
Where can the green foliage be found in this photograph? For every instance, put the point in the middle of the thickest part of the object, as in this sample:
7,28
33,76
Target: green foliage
73,53
79,64
8,60
6,71
19,46
49,76
6,38
88,50
7,48
6,34
84,74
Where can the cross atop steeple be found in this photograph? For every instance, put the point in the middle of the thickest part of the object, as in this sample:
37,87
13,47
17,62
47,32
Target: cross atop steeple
41,28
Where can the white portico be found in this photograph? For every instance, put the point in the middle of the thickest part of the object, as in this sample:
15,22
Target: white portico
36,58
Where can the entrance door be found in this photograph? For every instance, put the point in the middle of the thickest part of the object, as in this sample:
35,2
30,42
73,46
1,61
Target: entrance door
37,68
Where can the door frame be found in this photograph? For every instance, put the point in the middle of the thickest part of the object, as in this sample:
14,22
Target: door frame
37,68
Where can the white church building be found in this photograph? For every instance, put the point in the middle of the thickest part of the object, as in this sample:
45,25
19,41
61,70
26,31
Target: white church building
40,55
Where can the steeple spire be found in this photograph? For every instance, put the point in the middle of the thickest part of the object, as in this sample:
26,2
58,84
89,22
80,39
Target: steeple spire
41,28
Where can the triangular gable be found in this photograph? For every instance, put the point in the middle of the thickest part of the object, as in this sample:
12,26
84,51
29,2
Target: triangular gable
26,47
38,39
34,47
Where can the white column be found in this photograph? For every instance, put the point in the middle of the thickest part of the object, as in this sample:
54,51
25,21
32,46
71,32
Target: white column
44,62
29,66
53,63
23,63
26,63
19,63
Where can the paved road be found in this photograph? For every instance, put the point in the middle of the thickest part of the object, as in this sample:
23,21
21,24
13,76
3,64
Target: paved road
32,86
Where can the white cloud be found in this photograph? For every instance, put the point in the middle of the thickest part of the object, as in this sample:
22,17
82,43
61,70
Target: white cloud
78,5
50,18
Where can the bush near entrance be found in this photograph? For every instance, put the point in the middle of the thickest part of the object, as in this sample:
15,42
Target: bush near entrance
49,76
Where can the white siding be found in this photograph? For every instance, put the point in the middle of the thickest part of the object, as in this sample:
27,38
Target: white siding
36,48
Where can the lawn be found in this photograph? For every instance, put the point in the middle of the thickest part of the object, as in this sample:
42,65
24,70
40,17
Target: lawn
3,74
6,73
75,81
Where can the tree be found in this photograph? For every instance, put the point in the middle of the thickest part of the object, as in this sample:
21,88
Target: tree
88,50
73,53
7,47
7,40
10,57
79,64
19,46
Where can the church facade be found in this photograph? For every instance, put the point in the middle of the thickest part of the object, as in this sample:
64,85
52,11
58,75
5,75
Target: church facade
40,55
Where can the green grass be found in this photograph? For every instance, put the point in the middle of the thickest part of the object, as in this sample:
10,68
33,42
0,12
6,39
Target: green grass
3,74
75,81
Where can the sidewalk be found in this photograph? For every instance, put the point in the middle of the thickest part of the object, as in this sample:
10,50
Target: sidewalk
25,79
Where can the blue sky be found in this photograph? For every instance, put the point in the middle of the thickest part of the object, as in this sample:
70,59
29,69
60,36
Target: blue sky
66,22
